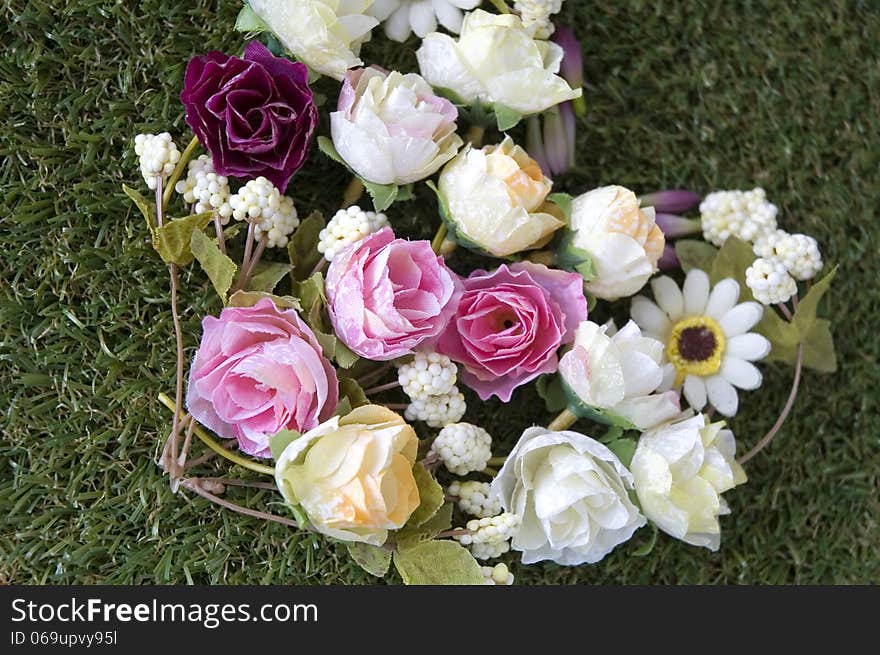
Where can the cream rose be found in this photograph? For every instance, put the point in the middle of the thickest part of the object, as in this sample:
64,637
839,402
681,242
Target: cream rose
353,475
680,471
326,35
495,197
620,239
618,374
495,60
571,493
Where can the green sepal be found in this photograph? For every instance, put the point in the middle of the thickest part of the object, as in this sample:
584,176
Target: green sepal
431,496
311,296
219,268
250,298
572,258
648,546
410,535
248,21
267,275
375,560
505,117
549,388
439,562
580,409
281,440
563,201
351,391
383,195
173,240
336,350
455,231
624,448
693,253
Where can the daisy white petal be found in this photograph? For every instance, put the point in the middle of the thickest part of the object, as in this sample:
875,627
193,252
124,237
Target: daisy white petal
422,18
722,395
696,292
397,26
668,296
668,377
750,347
741,318
650,317
723,298
695,391
740,373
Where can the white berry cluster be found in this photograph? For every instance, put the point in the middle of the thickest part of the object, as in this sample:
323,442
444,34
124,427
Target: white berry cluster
348,226
497,575
536,15
769,281
463,448
473,498
158,156
261,203
490,537
799,253
428,374
205,190
437,411
743,214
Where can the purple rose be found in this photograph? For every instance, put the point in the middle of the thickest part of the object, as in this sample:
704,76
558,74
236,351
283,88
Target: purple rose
386,296
510,323
255,115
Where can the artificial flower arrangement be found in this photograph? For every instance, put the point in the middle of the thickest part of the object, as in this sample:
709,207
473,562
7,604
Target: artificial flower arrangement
319,316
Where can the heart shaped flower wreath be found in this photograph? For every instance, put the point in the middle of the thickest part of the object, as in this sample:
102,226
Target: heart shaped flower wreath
284,379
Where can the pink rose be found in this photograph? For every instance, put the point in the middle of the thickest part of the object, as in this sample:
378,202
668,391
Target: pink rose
510,323
386,296
260,370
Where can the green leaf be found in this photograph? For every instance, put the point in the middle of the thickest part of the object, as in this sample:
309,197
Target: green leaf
805,314
563,201
336,350
325,145
282,440
580,409
819,352
781,334
251,298
573,258
311,296
438,563
219,267
693,253
505,117
549,387
648,546
267,275
350,390
372,559
405,193
732,261
173,240
303,247
410,535
248,21
431,496
624,448
148,209
383,195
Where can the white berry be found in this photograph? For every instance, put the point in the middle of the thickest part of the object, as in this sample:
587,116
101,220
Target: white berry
428,374
799,253
273,215
463,447
158,155
743,214
536,15
348,226
497,575
769,281
205,190
474,498
490,536
437,411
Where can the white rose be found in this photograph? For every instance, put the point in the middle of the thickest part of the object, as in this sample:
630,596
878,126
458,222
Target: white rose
391,128
619,374
570,492
496,61
326,35
495,197
622,240
680,471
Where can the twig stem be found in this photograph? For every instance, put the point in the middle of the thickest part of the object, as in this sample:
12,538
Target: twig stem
194,484
565,420
382,387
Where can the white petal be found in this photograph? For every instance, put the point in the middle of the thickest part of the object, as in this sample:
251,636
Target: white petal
696,292
722,395
397,26
740,373
668,296
750,347
668,378
650,317
449,15
723,298
422,18
741,319
695,391
382,9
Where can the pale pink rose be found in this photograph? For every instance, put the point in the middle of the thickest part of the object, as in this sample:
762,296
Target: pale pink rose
386,296
260,370
510,324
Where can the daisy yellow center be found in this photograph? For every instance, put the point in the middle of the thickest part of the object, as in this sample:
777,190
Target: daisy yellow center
695,347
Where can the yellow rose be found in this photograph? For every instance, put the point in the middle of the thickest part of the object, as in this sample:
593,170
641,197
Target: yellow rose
353,475
495,198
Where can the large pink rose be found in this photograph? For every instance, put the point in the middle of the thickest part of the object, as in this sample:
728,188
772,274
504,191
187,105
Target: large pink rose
510,323
260,370
386,296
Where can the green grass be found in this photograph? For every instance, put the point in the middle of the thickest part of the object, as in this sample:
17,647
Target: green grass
782,95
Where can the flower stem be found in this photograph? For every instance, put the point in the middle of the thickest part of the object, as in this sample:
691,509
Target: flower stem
322,263
220,450
564,421
221,237
580,106
353,192
195,484
395,406
489,471
185,156
245,260
457,532
475,135
252,264
382,387
368,378
501,6
437,241
497,461
785,411
785,311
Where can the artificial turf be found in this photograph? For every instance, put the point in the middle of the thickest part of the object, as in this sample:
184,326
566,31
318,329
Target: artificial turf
705,95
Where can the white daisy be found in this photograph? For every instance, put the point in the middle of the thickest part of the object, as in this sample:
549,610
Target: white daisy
708,344
402,17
